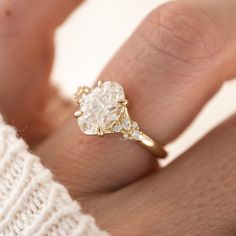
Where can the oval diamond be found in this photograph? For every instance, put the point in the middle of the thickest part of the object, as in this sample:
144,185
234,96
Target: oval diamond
100,108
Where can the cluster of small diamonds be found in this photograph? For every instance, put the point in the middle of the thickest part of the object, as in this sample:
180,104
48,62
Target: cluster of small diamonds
127,127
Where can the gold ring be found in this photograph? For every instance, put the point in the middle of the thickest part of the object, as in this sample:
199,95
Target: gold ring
103,110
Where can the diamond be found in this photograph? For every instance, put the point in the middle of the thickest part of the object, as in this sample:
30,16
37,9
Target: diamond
126,123
135,134
117,128
101,108
134,124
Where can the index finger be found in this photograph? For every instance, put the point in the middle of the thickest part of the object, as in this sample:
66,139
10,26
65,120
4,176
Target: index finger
47,14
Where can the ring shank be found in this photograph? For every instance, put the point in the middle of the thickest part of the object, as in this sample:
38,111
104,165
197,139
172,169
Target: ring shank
152,146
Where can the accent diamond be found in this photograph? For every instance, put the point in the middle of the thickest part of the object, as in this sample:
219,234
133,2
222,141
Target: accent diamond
135,134
126,123
134,124
117,128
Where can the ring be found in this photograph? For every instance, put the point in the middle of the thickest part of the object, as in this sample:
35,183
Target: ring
103,110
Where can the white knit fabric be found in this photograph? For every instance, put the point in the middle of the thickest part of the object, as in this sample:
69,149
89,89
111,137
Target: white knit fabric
31,202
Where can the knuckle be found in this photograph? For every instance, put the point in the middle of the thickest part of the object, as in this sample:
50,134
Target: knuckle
185,36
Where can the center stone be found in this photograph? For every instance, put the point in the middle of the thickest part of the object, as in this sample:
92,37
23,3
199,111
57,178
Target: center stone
100,108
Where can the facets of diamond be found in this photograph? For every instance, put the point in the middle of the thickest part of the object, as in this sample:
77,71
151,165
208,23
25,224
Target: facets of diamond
135,134
126,124
117,128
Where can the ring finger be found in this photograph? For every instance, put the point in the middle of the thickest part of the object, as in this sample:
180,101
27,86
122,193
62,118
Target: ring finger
168,70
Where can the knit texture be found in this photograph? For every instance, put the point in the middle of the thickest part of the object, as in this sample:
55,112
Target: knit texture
31,202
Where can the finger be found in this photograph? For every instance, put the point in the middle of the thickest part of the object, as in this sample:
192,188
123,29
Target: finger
195,195
47,14
26,53
175,61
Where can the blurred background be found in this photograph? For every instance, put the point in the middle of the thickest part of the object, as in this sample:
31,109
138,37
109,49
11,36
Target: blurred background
93,33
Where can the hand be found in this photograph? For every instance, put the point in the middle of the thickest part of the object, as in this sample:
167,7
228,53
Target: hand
26,55
173,64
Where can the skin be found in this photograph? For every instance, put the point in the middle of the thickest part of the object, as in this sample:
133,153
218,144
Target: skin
175,61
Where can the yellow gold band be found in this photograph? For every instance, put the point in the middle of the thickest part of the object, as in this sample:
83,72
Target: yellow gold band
156,149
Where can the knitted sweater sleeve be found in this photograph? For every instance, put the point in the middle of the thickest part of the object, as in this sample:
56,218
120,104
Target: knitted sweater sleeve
31,202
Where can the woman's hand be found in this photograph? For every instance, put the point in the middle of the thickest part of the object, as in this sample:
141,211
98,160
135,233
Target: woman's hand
173,64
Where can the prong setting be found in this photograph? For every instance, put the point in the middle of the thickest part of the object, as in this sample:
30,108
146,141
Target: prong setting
100,82
100,132
123,102
77,114
81,91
